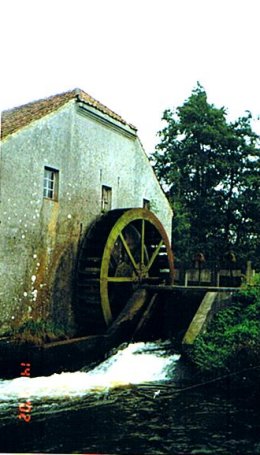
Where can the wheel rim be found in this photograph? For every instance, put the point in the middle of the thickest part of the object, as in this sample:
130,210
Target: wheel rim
122,250
142,261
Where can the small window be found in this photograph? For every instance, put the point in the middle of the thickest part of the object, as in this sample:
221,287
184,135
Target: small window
106,201
146,204
50,183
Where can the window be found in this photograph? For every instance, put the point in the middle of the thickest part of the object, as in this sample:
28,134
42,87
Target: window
106,201
50,183
146,204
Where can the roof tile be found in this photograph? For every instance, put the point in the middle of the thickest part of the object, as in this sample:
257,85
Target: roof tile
14,119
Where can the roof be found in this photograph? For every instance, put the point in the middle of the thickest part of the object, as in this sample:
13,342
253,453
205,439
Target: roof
14,119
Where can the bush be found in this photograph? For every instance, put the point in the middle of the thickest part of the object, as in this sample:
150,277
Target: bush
232,340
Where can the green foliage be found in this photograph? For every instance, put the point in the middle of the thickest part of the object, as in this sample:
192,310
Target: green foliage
38,332
181,231
210,170
232,340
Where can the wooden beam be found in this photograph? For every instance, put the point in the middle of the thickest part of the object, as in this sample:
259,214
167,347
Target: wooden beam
171,288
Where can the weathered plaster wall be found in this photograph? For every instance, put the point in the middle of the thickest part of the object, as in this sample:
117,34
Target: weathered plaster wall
39,237
34,229
146,184
107,157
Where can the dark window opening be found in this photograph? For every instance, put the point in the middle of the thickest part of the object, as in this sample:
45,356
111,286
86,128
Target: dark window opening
146,204
106,199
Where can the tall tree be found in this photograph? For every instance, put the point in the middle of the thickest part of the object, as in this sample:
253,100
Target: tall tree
210,170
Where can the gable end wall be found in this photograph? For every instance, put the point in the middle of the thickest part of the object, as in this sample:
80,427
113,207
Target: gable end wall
39,239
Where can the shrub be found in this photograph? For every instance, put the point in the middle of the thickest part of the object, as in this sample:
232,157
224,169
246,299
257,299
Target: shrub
232,340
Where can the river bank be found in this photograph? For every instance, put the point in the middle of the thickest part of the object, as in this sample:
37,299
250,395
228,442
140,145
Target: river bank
230,347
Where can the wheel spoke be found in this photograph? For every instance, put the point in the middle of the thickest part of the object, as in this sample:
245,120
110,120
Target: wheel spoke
121,279
142,244
128,251
155,254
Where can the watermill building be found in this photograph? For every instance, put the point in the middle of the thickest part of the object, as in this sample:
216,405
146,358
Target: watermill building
66,162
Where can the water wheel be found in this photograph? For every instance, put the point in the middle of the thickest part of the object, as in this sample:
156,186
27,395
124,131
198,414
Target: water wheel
122,250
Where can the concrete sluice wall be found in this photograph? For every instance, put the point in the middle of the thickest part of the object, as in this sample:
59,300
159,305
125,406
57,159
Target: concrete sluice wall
183,313
179,308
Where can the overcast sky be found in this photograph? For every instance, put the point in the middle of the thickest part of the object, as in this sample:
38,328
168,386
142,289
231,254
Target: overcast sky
138,57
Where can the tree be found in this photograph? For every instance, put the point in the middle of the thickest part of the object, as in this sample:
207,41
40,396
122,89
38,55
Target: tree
209,168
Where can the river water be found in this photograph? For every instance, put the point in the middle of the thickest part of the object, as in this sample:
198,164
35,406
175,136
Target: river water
138,401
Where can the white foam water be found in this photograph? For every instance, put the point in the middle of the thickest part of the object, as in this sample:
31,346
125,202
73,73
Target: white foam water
137,363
